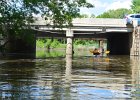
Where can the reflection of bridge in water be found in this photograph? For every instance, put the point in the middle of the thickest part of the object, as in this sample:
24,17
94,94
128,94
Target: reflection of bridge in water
111,73
120,38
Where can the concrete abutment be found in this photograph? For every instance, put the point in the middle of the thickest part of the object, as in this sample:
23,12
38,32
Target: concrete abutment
135,42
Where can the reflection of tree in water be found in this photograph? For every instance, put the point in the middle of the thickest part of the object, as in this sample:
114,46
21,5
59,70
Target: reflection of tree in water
57,79
15,77
51,53
29,80
50,74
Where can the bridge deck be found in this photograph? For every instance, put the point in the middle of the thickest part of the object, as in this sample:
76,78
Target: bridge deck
88,25
106,22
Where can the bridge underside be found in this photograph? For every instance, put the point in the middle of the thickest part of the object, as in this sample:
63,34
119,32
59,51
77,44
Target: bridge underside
117,42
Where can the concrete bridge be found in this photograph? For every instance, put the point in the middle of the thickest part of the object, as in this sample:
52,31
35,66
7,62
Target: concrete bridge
83,26
120,37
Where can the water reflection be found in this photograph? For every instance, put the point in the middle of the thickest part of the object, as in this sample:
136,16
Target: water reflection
43,53
80,78
135,63
12,76
103,79
68,72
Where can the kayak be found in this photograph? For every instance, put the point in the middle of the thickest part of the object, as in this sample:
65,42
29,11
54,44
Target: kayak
107,52
97,52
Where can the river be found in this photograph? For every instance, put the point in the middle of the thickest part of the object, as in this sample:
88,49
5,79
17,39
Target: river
83,77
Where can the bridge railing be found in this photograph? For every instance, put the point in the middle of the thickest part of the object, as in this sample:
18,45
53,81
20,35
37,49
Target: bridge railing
88,22
99,22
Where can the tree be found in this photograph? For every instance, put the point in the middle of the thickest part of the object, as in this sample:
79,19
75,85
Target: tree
83,16
16,15
92,16
119,13
135,6
86,16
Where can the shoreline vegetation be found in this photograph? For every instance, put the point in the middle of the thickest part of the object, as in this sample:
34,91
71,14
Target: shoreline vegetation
57,47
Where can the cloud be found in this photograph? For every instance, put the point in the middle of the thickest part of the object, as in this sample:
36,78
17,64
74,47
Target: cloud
102,6
98,7
119,4
98,3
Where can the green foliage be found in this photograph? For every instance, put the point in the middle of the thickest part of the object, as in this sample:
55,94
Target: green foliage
45,43
83,16
28,36
104,15
135,6
48,43
17,15
40,43
51,43
92,16
55,43
45,54
40,54
86,16
119,13
85,42
77,42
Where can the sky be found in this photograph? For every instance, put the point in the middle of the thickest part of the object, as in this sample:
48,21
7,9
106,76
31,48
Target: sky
101,6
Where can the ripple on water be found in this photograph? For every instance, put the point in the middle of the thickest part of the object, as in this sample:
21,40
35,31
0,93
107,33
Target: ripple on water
87,79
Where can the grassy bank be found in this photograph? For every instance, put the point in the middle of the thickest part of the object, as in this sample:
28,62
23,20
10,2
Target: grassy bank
56,47
57,43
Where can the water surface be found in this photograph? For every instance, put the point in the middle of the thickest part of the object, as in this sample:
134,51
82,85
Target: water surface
80,78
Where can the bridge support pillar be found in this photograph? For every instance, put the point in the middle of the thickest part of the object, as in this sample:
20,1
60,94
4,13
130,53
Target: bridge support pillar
135,42
69,36
101,43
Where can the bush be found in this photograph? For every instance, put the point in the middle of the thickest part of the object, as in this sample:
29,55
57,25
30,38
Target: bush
40,43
